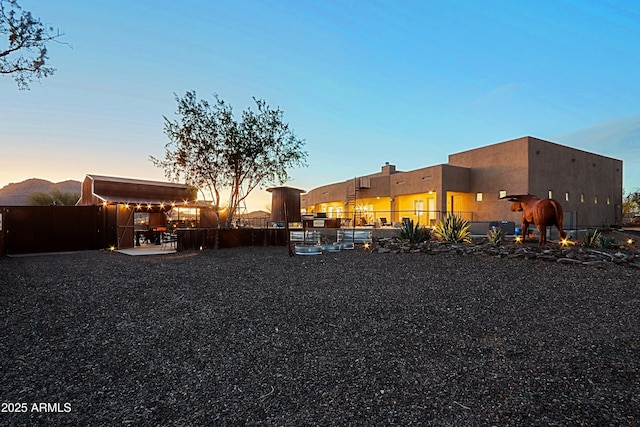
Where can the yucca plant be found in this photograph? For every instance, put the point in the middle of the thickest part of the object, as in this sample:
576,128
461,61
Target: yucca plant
592,239
413,233
495,235
452,229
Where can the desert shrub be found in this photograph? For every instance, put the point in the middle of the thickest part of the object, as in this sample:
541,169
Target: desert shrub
495,235
413,233
452,229
592,239
606,242
56,197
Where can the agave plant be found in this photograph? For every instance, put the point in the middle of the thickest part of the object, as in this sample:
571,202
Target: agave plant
606,242
452,229
495,235
592,239
413,233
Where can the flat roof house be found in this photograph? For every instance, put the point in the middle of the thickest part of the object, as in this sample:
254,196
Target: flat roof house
471,183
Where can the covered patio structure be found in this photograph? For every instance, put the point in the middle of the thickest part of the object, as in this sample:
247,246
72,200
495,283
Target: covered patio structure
137,208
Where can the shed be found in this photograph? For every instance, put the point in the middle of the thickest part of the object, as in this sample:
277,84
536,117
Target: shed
101,190
123,198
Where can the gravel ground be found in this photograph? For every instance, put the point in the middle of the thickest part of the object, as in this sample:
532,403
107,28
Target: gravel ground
250,336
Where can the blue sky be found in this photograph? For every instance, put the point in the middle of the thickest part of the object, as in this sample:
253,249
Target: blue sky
363,82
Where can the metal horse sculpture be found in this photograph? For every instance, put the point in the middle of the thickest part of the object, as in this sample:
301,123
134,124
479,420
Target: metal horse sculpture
540,212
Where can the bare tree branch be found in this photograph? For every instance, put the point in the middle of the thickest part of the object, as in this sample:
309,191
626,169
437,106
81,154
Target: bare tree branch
25,55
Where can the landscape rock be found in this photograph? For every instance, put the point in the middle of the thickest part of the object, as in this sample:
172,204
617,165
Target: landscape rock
620,255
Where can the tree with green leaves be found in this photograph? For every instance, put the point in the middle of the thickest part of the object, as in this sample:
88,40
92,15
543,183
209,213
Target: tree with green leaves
216,153
25,54
631,202
55,197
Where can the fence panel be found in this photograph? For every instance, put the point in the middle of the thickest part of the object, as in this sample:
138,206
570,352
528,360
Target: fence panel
35,229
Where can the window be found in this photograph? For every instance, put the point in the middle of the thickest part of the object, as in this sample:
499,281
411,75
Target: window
330,212
550,194
503,193
141,220
183,217
478,197
566,196
418,207
581,197
595,200
339,211
608,201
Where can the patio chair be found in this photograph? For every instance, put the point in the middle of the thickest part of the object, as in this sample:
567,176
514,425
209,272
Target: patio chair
169,240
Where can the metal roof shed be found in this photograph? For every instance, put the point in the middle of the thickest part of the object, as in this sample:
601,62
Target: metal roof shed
101,190
120,197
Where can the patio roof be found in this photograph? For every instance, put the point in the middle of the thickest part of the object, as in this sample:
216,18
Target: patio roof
99,190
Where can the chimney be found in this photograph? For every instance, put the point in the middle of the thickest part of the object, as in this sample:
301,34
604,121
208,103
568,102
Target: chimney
388,169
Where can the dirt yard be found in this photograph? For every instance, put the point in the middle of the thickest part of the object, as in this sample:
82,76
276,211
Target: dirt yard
251,336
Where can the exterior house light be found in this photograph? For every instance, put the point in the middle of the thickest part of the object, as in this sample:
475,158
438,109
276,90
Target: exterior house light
566,242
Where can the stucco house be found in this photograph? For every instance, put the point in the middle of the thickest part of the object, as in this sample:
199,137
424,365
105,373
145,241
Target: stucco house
471,184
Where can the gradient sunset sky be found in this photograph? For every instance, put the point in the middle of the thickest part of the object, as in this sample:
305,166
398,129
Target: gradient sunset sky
363,82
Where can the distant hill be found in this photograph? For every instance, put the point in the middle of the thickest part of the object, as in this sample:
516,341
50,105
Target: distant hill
17,194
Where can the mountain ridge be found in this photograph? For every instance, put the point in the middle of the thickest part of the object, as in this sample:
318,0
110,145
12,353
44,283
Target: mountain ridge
17,193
